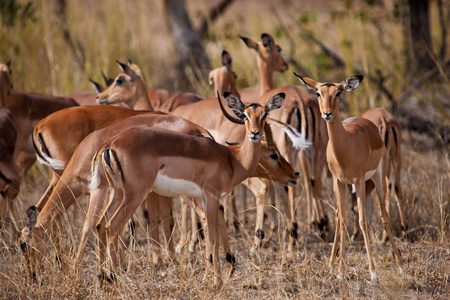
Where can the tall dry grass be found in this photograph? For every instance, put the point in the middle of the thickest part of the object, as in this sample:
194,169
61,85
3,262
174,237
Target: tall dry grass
367,37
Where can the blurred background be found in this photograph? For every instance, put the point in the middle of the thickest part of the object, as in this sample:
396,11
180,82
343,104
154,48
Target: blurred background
400,46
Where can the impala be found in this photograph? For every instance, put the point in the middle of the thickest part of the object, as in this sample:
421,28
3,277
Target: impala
130,89
180,165
207,114
355,154
391,135
76,177
300,110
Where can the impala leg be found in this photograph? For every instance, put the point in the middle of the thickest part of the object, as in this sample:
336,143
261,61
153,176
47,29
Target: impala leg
342,210
93,215
43,200
397,164
165,210
306,172
285,202
153,216
115,197
212,208
196,227
184,226
271,197
361,200
197,208
380,186
318,199
337,222
229,256
293,224
261,197
234,211
114,226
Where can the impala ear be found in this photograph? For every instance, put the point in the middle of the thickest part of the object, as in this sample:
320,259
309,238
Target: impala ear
108,81
275,102
351,82
121,66
250,43
127,70
235,104
31,217
226,60
310,83
267,41
97,86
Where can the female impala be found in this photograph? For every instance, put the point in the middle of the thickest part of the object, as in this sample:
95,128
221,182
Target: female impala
355,154
300,110
391,134
175,164
76,177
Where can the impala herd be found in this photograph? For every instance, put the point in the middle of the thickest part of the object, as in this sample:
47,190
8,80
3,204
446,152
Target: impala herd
142,144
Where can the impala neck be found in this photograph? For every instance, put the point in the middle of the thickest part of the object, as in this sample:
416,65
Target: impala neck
266,76
337,134
2,97
246,159
141,100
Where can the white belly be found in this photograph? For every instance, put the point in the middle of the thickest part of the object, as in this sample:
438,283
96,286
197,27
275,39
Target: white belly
169,187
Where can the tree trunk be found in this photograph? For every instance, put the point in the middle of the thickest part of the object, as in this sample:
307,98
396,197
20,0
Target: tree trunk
193,63
420,34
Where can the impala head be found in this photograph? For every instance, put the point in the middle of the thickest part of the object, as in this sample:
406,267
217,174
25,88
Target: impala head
26,241
223,78
329,93
269,53
273,165
123,89
253,115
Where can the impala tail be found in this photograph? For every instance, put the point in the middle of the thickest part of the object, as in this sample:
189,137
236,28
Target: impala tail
297,138
111,166
43,153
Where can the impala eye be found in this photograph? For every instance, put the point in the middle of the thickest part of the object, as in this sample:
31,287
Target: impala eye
318,95
119,80
338,94
274,156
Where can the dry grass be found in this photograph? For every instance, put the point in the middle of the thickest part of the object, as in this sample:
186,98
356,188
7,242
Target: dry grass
110,30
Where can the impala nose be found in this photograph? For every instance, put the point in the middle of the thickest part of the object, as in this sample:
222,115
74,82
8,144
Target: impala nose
297,174
327,116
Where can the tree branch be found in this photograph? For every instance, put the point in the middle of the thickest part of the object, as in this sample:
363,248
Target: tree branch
214,13
416,84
